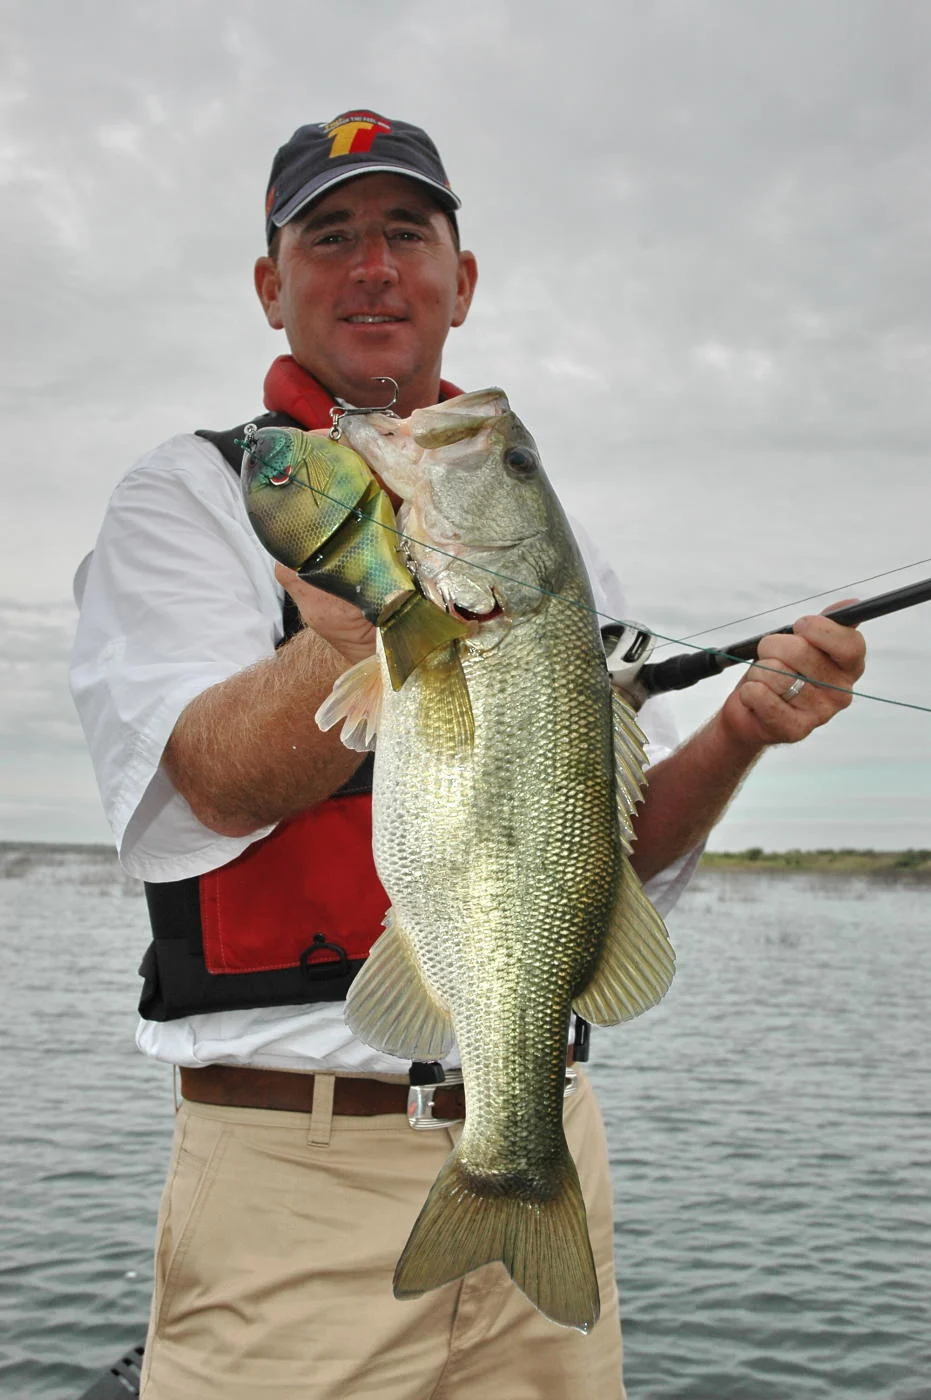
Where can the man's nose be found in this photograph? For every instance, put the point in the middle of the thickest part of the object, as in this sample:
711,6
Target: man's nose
374,263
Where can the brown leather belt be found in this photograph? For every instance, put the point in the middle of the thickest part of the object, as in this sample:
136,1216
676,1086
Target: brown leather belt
234,1086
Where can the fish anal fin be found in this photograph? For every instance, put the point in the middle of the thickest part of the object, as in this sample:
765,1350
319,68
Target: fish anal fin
390,1006
356,700
636,962
540,1237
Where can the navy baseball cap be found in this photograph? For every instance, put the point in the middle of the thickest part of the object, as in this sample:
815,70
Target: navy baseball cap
321,156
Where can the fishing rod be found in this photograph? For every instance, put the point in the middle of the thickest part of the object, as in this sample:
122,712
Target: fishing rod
627,647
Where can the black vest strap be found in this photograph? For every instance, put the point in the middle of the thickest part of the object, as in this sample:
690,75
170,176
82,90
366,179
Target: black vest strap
225,441
226,444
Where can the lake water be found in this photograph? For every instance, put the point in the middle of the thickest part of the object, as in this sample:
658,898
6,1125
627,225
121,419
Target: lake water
770,1132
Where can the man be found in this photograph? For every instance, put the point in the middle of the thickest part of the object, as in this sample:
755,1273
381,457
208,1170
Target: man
295,1177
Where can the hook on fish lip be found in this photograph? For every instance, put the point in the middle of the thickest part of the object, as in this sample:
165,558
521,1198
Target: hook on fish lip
337,414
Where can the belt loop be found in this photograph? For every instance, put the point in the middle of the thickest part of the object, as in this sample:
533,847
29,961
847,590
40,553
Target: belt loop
321,1118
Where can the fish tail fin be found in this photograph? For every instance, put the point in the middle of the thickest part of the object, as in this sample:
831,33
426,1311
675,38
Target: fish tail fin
411,628
541,1237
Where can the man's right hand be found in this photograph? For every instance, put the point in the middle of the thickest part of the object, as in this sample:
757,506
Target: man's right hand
336,621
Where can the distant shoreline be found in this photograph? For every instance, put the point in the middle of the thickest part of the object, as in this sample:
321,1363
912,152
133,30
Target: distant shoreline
825,861
16,856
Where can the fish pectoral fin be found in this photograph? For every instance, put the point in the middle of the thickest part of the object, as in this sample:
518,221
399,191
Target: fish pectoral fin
636,963
356,700
629,766
411,628
446,717
541,1237
390,1006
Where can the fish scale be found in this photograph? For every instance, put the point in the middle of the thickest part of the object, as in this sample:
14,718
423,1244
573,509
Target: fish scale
499,788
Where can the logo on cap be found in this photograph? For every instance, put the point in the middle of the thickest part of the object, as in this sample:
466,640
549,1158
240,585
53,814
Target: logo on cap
352,133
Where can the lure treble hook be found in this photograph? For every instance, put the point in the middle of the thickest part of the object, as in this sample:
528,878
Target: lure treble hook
337,414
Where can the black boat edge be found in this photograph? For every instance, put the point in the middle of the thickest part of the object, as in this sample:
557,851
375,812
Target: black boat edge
119,1381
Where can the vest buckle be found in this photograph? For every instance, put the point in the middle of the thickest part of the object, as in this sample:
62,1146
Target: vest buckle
324,969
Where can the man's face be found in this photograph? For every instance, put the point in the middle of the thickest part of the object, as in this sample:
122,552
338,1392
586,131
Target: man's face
368,281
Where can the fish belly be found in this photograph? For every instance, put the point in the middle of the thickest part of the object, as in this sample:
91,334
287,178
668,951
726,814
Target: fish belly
500,860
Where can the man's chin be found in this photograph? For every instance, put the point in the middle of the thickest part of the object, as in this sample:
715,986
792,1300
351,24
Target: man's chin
366,390
359,379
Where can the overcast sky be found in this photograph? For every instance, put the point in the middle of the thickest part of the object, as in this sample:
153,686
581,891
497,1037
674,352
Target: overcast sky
704,234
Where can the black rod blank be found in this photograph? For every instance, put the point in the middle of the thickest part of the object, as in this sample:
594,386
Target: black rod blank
689,667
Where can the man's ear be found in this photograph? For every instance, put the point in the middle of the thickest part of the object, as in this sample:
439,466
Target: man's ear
465,290
267,285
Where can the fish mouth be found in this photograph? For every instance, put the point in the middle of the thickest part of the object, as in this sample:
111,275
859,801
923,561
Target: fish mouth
467,614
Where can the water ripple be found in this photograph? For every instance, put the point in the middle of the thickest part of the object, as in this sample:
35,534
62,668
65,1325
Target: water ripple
768,1131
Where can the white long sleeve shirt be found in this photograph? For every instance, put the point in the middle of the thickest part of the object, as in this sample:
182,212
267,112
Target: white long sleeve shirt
180,595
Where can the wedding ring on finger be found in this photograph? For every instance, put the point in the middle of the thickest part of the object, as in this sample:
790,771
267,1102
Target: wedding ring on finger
796,688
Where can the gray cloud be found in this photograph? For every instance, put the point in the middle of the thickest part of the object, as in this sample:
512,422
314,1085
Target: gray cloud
702,229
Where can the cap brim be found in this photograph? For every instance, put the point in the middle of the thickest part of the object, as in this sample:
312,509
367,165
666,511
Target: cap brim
315,188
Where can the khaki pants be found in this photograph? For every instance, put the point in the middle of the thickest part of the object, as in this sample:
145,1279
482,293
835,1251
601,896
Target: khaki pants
277,1241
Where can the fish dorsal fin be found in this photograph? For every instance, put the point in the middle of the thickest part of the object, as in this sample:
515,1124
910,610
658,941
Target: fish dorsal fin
390,1006
636,963
629,766
356,700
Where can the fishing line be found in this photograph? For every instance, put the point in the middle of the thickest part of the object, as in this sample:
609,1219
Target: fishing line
840,588
573,602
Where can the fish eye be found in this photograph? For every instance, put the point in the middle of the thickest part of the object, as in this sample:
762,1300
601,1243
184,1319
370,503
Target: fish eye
520,462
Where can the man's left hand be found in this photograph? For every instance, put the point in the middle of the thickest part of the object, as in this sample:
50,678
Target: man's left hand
763,710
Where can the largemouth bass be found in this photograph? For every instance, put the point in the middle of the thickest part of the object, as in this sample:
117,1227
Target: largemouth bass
506,777
317,508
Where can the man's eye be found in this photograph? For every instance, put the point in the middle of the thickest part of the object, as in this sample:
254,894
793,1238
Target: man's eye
406,235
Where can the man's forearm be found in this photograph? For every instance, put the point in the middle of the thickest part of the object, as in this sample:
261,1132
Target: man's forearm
687,793
247,752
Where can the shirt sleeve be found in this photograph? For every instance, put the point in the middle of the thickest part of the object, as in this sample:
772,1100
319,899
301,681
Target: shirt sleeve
178,596
655,719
